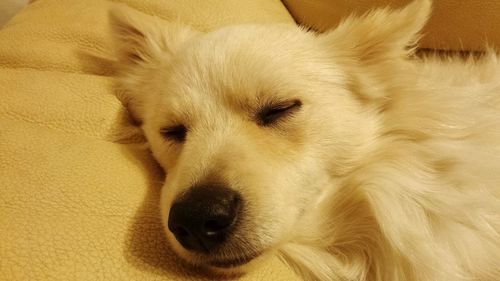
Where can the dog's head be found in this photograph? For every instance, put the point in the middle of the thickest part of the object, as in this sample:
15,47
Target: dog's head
253,123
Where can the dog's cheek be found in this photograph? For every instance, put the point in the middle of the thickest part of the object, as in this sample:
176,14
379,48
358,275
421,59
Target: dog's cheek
166,155
340,141
165,152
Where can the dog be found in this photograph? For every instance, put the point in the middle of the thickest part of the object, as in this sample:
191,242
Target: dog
343,153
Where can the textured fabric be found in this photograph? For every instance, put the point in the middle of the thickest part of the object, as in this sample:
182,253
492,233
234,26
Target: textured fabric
8,8
78,192
454,25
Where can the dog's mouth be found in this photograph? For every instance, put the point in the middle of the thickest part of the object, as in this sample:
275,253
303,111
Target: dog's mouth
233,262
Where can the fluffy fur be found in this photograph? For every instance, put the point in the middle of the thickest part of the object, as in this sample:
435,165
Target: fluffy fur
389,170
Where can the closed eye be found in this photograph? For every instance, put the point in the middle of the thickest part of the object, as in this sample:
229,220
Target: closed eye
271,113
175,133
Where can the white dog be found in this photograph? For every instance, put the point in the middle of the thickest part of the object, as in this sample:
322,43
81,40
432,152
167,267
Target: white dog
339,152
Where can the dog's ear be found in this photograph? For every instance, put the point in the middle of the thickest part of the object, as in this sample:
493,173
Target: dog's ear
382,33
143,44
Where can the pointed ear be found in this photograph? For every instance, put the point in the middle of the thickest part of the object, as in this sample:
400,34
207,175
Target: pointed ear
143,44
382,33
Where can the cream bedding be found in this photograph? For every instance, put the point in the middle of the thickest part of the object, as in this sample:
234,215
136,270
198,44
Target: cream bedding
463,25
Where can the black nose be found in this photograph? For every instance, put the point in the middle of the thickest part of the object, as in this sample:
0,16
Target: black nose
203,217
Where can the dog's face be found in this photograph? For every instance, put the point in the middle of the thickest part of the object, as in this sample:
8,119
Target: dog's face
251,124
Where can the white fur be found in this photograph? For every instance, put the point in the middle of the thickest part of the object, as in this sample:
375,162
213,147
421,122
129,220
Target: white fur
390,170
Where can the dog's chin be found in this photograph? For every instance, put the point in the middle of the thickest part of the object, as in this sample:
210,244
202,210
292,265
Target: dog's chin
237,262
229,259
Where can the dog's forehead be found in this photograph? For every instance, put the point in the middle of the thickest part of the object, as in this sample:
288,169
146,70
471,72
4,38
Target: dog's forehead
247,60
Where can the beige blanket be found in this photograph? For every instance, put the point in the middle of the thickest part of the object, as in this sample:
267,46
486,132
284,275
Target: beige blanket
468,25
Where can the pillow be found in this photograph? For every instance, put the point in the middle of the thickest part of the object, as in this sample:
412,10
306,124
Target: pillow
465,25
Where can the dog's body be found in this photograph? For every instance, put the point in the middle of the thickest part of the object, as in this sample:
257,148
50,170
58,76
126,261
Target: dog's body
335,151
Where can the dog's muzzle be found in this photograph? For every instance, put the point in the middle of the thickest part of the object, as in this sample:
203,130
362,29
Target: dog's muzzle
203,217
